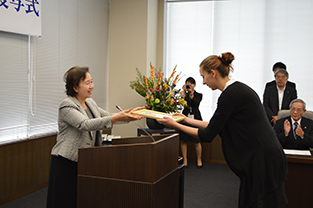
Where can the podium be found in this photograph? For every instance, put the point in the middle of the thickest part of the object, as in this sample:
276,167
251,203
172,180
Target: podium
132,172
155,131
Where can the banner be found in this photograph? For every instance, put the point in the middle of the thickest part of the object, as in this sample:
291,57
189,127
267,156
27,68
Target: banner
21,16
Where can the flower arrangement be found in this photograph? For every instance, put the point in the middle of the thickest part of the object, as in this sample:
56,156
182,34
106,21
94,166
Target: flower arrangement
160,94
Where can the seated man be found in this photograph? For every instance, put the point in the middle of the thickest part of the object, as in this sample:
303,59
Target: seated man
279,96
295,131
276,66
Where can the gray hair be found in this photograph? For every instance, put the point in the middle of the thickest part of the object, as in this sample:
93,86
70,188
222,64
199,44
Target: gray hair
298,100
282,71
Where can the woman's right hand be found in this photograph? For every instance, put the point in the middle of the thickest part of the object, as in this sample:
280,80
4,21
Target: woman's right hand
124,116
179,114
168,121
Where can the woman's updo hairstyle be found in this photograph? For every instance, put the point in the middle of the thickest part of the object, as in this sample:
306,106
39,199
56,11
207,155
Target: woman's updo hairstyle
220,63
72,78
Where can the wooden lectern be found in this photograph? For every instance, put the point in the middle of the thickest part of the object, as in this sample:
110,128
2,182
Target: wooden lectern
132,172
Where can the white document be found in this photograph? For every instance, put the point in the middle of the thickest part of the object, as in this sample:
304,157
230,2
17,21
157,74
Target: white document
297,152
109,138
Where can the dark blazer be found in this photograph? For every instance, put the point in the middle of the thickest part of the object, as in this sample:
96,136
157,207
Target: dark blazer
193,108
273,83
193,105
270,100
289,141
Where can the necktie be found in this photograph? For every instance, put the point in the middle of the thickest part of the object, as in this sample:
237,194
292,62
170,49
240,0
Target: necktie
294,130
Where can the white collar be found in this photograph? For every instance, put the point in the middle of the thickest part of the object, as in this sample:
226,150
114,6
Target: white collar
283,90
293,121
231,81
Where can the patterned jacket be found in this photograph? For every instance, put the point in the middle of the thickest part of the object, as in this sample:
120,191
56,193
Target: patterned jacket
75,126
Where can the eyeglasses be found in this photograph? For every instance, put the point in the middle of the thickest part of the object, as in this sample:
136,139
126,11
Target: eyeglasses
281,77
296,109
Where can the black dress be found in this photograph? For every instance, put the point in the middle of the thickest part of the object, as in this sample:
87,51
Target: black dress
250,147
193,109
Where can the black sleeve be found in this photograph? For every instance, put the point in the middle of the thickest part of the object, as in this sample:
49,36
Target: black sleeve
220,117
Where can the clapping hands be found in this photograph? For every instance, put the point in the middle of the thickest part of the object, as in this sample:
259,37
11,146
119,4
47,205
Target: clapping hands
287,128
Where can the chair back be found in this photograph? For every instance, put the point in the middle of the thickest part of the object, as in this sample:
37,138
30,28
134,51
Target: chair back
284,113
308,114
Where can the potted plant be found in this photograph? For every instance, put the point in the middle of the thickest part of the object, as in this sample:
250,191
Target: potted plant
159,92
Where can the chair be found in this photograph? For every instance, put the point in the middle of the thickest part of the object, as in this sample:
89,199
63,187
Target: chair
308,114
284,113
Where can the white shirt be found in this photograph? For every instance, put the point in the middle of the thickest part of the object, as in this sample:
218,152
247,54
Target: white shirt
280,96
231,81
293,126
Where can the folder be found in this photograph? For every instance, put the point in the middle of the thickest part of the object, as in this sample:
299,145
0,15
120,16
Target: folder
156,114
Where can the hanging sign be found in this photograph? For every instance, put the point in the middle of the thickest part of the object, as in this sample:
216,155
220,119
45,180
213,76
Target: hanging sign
21,16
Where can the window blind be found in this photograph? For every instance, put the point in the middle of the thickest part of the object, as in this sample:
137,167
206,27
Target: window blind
32,68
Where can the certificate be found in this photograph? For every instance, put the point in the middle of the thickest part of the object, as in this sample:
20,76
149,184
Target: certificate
156,114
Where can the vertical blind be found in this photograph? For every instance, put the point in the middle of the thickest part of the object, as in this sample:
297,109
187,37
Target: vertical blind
259,33
32,68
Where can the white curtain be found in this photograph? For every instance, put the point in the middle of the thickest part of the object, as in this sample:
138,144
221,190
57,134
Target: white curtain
259,33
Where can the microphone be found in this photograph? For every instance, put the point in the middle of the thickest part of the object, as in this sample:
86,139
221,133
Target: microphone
120,109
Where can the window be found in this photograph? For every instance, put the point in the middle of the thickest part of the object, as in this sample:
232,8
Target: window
32,68
189,40
259,34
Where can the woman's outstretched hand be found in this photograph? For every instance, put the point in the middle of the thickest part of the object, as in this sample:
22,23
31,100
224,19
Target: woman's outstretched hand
169,121
179,114
125,116
138,108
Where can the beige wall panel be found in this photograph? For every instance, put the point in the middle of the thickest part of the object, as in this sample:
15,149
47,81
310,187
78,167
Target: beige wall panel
132,43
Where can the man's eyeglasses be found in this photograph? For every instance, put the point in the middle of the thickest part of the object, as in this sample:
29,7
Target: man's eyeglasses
296,109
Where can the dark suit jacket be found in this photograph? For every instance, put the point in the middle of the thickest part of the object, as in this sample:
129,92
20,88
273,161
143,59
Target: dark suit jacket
273,83
193,108
270,100
289,142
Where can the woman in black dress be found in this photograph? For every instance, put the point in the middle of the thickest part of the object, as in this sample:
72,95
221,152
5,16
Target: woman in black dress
193,99
249,143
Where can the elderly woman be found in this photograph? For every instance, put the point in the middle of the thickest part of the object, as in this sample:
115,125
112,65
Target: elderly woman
80,121
250,146
279,96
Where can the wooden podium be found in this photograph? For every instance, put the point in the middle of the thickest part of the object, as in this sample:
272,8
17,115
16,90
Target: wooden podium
132,172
